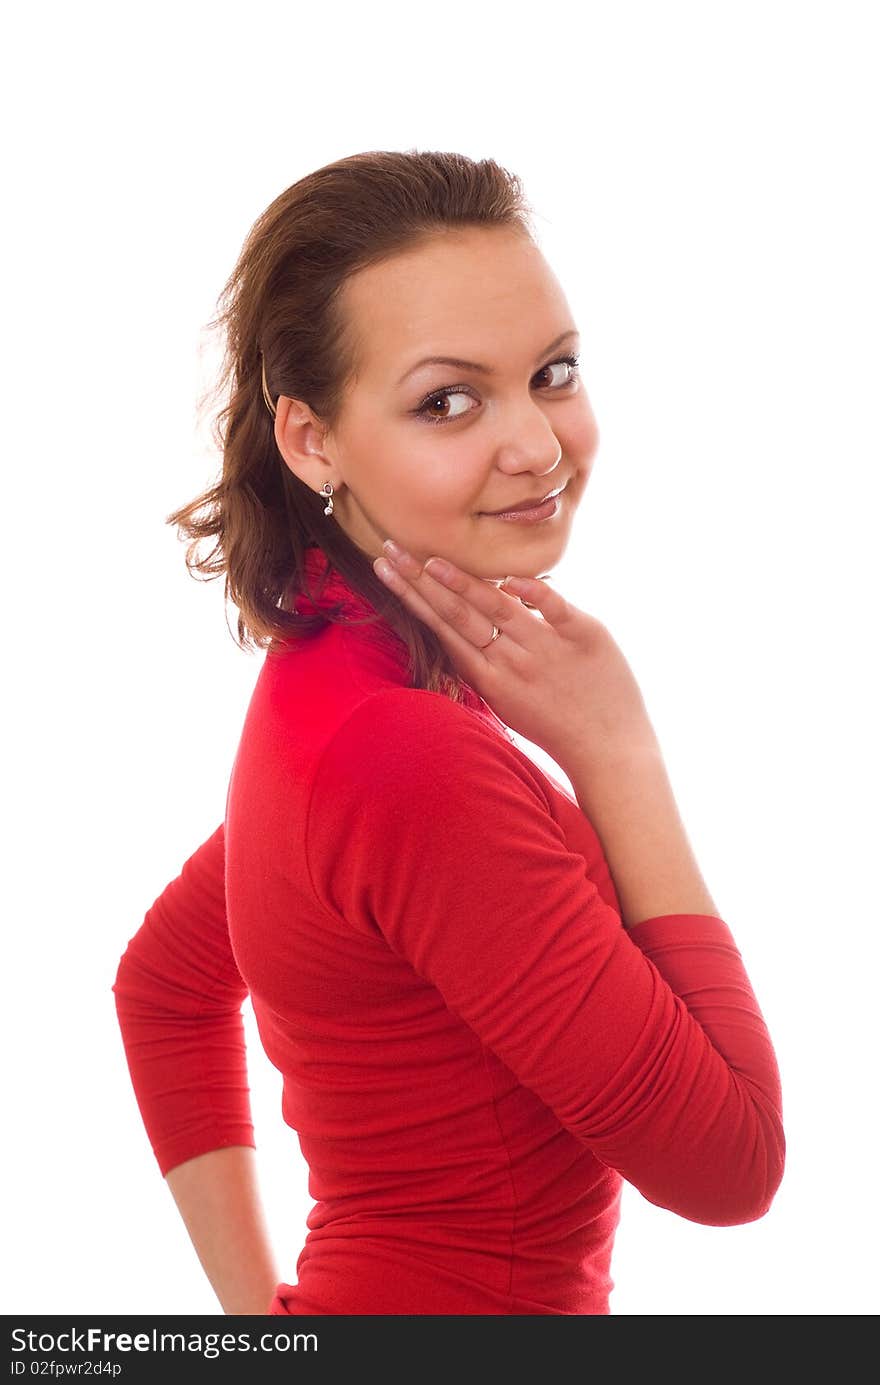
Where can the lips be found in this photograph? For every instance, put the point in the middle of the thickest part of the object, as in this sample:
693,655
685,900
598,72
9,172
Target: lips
526,504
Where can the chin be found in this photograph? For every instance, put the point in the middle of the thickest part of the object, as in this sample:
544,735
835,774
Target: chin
522,554
541,561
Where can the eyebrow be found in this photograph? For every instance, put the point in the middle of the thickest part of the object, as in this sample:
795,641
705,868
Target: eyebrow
460,364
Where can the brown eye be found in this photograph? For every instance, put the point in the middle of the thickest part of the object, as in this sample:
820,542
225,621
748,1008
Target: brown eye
427,410
434,400
569,364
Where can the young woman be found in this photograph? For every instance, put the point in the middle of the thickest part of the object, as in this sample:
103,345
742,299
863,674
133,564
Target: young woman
491,1001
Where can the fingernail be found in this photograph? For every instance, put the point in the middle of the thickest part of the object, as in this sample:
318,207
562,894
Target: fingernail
394,553
384,569
436,567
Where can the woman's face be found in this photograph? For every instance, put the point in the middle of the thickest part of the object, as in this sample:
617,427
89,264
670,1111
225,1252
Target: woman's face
422,451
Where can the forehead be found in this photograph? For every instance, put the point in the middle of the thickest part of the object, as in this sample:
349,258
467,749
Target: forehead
451,293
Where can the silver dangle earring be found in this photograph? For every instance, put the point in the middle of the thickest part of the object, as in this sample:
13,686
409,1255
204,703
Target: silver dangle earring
327,490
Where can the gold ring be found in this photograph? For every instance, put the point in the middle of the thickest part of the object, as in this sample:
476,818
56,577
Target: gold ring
496,631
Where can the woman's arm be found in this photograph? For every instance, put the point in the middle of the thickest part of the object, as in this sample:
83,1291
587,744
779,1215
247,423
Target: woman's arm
178,997
647,1042
218,1197
627,796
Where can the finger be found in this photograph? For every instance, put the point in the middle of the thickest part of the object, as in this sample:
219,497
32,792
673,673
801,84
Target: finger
466,656
530,592
505,583
471,606
534,593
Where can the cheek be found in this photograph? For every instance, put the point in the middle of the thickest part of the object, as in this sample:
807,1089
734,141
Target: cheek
580,436
383,473
446,478
399,488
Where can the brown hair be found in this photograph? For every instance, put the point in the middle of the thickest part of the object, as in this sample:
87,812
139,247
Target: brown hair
283,300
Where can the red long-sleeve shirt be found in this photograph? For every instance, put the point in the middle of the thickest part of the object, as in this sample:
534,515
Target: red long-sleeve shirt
475,1052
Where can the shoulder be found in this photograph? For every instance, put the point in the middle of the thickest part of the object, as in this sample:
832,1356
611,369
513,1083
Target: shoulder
421,810
411,741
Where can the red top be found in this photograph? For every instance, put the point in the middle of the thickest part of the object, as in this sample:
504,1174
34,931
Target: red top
475,1051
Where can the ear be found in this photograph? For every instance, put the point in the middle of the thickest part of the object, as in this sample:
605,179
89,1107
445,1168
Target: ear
300,437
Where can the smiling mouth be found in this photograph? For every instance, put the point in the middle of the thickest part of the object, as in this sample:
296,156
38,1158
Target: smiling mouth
527,504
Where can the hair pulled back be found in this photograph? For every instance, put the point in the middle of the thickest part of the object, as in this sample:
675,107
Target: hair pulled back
280,308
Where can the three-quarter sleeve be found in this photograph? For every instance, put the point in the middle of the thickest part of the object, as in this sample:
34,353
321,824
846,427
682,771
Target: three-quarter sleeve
427,827
178,996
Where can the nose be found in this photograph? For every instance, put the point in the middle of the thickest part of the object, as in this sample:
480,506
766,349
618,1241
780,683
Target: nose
529,444
541,457
515,459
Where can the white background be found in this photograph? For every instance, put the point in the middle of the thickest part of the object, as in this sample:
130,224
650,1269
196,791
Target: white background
706,182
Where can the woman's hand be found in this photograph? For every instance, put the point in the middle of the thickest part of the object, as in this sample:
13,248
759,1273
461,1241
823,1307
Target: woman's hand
554,674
